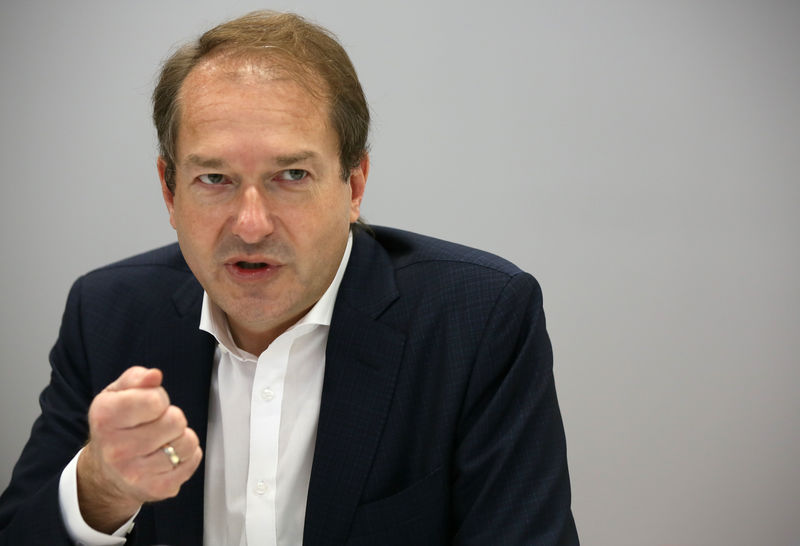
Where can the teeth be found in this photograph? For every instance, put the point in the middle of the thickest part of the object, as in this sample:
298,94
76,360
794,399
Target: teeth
249,265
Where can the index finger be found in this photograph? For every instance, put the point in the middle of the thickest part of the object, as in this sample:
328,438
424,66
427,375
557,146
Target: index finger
113,410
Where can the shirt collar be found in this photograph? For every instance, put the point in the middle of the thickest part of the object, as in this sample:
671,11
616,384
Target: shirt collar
214,321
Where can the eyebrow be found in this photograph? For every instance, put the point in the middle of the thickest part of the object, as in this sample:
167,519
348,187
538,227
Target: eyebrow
286,160
206,162
281,160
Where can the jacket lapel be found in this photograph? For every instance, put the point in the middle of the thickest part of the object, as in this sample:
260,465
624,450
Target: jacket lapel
362,360
185,354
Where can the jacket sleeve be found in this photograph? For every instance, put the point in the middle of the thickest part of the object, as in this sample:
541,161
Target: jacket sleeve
510,479
29,507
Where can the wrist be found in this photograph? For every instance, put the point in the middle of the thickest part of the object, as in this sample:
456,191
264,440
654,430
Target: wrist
104,507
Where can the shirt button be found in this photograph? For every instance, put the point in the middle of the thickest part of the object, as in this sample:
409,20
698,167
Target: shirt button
261,487
267,394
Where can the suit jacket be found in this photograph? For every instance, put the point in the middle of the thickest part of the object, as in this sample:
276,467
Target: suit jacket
438,420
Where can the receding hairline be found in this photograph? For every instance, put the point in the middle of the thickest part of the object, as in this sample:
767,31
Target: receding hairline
309,53
231,69
265,63
247,69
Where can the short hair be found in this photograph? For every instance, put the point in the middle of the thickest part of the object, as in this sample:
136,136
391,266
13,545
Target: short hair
307,52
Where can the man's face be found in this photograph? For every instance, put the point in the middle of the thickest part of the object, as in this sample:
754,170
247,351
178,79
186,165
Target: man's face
260,209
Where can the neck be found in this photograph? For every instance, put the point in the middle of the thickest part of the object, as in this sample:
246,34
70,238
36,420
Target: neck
255,342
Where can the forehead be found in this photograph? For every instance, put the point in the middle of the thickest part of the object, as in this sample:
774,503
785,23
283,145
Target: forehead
241,93
239,72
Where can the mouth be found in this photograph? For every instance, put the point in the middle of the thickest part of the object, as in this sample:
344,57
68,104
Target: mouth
251,270
251,265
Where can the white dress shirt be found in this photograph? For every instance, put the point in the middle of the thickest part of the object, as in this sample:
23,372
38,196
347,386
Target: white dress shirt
262,426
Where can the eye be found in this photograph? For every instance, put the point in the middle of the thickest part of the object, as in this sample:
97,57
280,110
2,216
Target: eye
212,179
292,175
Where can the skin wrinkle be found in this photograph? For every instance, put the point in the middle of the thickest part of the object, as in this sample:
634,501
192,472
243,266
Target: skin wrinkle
250,134
214,163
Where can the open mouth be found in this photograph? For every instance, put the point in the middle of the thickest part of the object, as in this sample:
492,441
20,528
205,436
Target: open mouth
252,271
251,265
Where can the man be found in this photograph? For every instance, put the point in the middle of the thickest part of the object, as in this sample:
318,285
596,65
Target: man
287,375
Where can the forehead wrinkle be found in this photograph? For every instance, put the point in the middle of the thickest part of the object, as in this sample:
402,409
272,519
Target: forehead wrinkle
208,87
218,163
287,92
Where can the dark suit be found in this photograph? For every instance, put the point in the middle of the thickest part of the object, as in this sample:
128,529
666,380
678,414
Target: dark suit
438,420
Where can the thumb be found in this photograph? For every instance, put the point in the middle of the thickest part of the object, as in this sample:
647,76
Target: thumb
137,377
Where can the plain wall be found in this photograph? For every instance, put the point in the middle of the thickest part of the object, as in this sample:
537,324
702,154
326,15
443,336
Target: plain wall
640,158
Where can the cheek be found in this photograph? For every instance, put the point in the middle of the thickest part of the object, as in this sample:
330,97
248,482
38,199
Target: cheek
318,216
345,203
196,225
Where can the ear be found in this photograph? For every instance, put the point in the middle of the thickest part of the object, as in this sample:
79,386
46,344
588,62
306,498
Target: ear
358,182
169,197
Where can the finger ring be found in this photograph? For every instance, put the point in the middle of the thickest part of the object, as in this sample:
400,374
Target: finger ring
173,457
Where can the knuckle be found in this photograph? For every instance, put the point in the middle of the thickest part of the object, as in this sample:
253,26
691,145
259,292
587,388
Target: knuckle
166,487
198,456
154,401
132,372
192,438
99,413
162,392
176,418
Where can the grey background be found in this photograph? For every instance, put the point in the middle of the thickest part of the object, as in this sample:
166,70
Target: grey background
639,157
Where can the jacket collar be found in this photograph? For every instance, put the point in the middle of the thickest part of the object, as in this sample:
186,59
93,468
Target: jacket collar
363,357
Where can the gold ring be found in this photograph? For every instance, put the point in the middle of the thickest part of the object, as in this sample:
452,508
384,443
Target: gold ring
173,457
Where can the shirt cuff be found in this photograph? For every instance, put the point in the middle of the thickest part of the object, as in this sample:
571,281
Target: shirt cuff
78,530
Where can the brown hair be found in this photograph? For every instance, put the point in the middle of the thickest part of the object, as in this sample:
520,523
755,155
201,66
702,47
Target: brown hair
307,52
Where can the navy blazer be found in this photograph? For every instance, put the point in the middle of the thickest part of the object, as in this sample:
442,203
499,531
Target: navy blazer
438,421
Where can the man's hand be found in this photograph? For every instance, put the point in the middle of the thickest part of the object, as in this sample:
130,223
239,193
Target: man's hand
124,465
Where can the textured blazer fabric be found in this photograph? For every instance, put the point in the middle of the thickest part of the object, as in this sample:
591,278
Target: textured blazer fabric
438,422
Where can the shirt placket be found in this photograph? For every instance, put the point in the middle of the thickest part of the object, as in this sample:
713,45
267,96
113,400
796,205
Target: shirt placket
265,419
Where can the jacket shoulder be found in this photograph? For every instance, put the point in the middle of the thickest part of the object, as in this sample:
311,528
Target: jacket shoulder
165,260
168,256
407,249
140,280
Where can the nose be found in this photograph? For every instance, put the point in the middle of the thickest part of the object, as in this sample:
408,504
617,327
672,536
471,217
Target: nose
253,221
